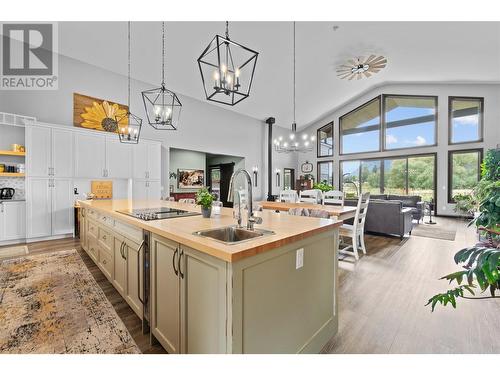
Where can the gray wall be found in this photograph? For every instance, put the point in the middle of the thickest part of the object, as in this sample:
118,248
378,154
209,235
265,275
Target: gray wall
204,127
491,94
186,159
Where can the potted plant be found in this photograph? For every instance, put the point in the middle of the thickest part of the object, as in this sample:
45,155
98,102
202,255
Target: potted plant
480,263
205,199
323,186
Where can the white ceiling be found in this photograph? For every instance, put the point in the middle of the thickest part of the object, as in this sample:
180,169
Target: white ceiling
416,51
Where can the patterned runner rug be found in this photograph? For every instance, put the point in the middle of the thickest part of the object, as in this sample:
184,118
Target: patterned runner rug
50,303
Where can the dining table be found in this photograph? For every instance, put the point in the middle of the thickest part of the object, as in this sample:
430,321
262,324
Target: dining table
340,212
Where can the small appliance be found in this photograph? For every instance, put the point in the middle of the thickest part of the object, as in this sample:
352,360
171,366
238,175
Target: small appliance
7,193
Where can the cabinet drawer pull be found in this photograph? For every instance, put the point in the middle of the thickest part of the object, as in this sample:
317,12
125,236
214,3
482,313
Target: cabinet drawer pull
139,271
181,254
104,237
173,261
104,261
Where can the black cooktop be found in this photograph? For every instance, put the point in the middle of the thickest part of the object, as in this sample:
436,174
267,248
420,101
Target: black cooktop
157,213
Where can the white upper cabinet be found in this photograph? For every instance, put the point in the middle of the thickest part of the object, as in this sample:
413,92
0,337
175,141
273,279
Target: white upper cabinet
140,160
90,155
147,160
154,161
154,190
62,153
38,150
118,159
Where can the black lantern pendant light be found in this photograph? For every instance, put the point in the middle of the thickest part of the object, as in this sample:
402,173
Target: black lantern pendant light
293,144
227,69
163,107
130,131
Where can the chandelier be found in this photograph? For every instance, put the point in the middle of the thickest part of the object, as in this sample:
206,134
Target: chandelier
129,125
163,107
294,144
227,69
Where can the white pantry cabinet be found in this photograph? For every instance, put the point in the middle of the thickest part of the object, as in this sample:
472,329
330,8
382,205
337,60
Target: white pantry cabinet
147,160
12,220
50,152
49,207
118,159
90,155
146,189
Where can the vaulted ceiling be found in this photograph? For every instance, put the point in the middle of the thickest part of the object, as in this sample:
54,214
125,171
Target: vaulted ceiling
416,52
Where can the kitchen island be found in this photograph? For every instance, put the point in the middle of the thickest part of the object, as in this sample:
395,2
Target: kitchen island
275,293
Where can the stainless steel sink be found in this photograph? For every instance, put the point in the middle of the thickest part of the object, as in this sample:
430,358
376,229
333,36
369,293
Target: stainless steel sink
233,235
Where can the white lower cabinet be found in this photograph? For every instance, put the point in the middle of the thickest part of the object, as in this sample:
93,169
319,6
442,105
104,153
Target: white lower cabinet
12,220
146,189
188,299
49,207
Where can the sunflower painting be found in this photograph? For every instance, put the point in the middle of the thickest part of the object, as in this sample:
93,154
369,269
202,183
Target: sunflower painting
98,114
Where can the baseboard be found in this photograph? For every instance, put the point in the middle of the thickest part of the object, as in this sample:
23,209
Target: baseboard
58,237
13,242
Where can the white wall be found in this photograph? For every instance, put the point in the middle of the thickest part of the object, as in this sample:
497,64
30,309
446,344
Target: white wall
491,94
204,127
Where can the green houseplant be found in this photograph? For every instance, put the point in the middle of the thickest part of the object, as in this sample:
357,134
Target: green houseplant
205,199
323,186
480,263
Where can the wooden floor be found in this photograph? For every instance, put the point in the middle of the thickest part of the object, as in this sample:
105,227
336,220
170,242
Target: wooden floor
381,299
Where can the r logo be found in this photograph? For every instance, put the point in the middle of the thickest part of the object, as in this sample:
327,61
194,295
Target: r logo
27,49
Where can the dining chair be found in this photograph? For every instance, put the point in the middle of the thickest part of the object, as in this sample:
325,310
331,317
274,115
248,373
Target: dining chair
288,196
356,230
187,200
298,211
323,214
334,198
310,196
171,199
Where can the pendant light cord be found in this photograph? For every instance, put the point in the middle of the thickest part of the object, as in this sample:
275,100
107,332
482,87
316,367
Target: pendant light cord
128,88
163,53
227,29
294,84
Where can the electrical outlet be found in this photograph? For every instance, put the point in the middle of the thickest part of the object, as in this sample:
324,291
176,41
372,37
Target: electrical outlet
299,258
75,191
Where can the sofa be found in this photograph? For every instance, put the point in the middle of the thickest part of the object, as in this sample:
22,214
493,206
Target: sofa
414,202
386,217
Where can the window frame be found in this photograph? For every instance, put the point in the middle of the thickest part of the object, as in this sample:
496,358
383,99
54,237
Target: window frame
450,119
341,150
318,143
318,170
383,122
382,173
450,168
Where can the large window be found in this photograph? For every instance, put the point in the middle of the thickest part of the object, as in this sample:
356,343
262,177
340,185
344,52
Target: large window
466,119
325,171
464,171
325,140
409,121
412,175
360,129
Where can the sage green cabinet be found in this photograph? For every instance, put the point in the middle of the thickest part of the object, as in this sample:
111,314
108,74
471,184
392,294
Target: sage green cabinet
189,299
165,293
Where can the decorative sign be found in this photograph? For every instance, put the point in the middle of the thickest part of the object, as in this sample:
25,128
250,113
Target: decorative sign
306,167
97,114
102,189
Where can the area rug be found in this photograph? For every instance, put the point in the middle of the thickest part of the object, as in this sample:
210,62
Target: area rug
50,303
433,231
13,251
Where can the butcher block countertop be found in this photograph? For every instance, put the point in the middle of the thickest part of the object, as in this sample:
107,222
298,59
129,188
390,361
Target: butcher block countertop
287,228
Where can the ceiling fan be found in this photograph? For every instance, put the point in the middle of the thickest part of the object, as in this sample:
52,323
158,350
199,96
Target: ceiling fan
360,67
